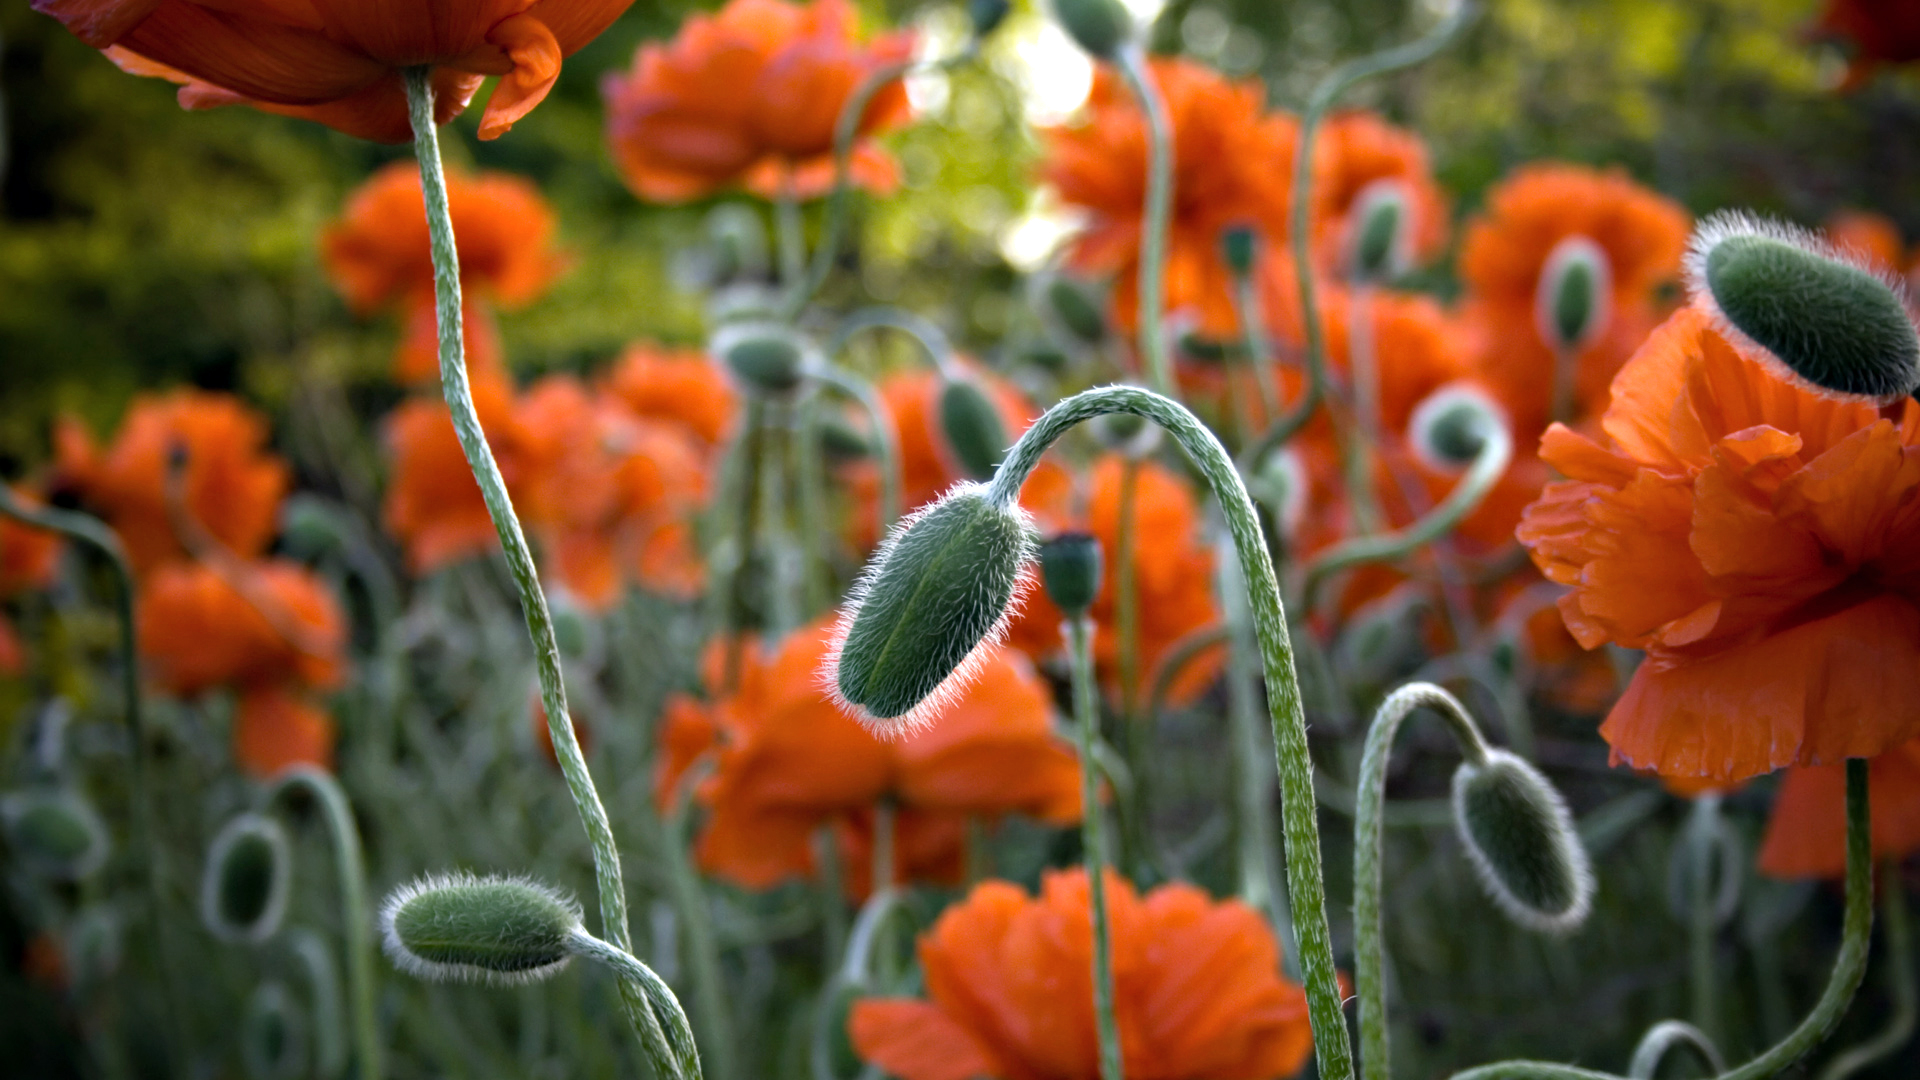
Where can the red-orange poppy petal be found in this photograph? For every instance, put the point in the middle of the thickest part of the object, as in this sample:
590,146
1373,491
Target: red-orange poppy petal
916,1041
1807,831
99,23
274,727
255,58
535,53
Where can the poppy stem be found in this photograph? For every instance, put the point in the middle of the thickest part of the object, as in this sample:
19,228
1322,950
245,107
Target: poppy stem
1253,333
703,952
350,867
1906,1002
1086,716
1132,62
1703,924
1252,790
1305,879
670,1044
493,490
1665,1036
1856,936
880,424
1370,796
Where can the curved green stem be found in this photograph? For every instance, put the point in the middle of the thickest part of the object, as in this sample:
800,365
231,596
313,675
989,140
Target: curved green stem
350,867
1155,218
1253,790
1369,965
1848,967
667,1035
1086,716
1253,333
1906,1002
885,454
1666,1036
1173,662
926,332
493,490
703,951
1305,880
323,985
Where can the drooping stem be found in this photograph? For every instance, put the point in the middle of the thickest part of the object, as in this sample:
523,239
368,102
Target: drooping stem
1126,599
1253,787
1305,880
924,331
886,455
1849,966
1253,334
1155,218
323,990
513,541
1666,1036
1086,717
1357,448
668,1037
350,867
1702,925
1370,801
1906,1002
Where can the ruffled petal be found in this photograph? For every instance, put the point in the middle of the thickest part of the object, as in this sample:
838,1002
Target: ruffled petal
535,54
916,1041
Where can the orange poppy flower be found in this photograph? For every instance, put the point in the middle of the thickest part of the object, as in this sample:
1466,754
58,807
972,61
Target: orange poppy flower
276,726
232,487
1528,216
198,631
679,386
749,96
787,761
341,64
1879,32
29,557
1760,542
433,507
1197,989
1232,167
1807,833
1173,576
1355,150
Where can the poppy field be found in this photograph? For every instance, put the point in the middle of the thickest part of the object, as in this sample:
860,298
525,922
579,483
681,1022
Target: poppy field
964,540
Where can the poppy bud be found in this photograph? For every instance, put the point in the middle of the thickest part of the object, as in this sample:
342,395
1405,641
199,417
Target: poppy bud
1575,295
1070,570
987,15
766,357
1238,246
1452,425
1382,231
1280,483
738,242
273,1038
1100,27
1130,436
1521,840
974,434
56,834
839,440
1820,317
243,893
939,591
496,930
1068,308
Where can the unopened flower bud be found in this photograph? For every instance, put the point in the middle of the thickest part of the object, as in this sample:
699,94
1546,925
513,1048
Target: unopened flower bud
1280,483
974,435
938,593
766,357
1381,243
839,440
243,893
1451,426
1130,436
1817,315
987,15
55,834
273,1035
1239,244
497,930
1100,27
1575,295
1521,841
1070,570
1070,310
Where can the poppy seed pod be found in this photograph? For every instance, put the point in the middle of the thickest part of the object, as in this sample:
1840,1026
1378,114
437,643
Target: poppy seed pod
975,437
1451,426
243,893
1068,310
1381,245
1070,570
987,15
1816,314
273,1036
1575,295
464,928
1239,244
939,592
1521,841
766,357
1101,27
56,834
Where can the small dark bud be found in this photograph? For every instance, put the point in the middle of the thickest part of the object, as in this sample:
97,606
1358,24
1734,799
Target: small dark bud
243,893
496,930
273,1035
1070,570
1070,311
1125,434
1522,842
1575,295
765,357
839,440
1382,241
1451,426
56,834
1239,244
1100,27
971,424
987,15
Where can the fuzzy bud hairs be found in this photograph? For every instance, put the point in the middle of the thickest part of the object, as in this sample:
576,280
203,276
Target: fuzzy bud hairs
1521,840
464,928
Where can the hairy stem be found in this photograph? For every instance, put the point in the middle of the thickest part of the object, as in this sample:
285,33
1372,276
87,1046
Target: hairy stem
1157,215
667,1035
1086,716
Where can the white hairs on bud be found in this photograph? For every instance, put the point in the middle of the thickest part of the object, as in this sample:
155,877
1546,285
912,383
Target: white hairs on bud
279,882
1434,406
420,967
1575,853
1546,290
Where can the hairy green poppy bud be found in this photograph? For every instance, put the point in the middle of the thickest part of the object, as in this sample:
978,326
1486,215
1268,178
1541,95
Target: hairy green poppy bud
1100,27
497,930
1239,244
243,893
987,15
937,594
1451,426
1521,840
1380,246
839,440
1817,315
1575,297
56,834
1070,570
1280,483
766,357
975,437
1068,310
273,1035
1125,434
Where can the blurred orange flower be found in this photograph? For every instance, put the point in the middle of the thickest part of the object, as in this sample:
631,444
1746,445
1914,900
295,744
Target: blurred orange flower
341,64
433,507
1528,216
787,761
1879,32
1761,543
680,386
199,631
749,96
276,726
1173,575
1197,989
29,557
379,257
1807,833
1878,239
232,484
1355,150
1233,166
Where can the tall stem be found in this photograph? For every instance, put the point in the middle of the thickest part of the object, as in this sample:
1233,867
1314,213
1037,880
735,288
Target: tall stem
1305,880
886,455
1703,846
703,951
1086,716
350,868
493,490
669,1038
1906,1002
1156,216
1253,789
